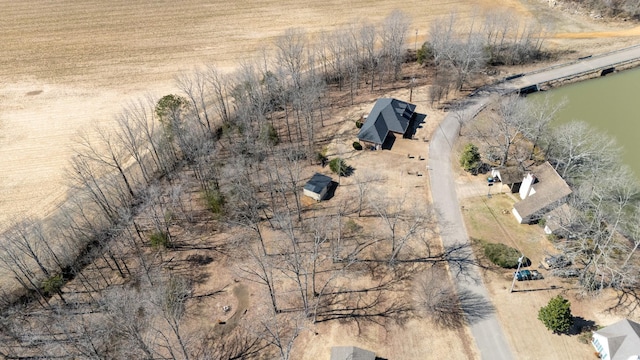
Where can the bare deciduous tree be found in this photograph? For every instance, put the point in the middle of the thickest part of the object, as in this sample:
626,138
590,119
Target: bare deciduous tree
393,34
579,151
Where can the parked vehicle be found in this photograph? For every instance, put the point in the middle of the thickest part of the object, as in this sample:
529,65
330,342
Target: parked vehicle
523,275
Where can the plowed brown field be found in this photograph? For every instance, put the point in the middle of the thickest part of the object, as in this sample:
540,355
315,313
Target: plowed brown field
68,64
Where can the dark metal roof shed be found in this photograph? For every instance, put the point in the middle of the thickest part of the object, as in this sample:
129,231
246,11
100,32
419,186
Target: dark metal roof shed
317,183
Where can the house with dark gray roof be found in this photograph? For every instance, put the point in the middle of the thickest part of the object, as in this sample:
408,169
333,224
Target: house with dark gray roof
317,187
351,353
387,116
541,191
619,341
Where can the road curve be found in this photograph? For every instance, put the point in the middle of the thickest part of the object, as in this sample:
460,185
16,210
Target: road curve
487,331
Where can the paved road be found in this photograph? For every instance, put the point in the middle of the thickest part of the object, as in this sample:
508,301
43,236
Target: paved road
487,331
575,68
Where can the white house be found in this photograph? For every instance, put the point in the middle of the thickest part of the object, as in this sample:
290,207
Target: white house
619,341
317,187
542,190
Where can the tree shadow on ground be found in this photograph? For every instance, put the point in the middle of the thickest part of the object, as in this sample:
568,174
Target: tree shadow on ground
474,306
581,325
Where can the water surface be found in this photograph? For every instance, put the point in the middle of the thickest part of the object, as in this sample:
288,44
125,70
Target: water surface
611,104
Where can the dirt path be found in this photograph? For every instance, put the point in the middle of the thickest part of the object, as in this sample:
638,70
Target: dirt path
635,31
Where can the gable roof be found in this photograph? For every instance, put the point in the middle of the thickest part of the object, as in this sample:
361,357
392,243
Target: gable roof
317,183
387,115
509,175
623,338
351,353
549,189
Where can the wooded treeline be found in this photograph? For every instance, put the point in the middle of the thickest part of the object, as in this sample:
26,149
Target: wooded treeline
611,8
461,51
600,232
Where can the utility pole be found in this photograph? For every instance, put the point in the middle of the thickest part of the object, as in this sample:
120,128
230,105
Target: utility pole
515,274
413,80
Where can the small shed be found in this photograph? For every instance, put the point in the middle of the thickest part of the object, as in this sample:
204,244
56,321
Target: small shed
351,353
317,187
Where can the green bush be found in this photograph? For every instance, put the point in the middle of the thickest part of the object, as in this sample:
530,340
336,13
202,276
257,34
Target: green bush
586,333
321,156
556,316
470,158
160,239
359,124
340,167
424,54
352,227
270,135
53,284
214,201
357,145
502,255
542,222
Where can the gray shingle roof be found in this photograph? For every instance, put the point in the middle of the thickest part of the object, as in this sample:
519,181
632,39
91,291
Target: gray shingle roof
550,188
624,339
351,353
387,115
510,175
317,183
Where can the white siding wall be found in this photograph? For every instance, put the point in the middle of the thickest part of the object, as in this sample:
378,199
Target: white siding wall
312,195
315,196
517,215
602,346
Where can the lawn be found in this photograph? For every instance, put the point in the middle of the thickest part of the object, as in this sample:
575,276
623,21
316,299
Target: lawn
478,212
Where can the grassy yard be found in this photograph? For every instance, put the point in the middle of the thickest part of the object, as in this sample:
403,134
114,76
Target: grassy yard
490,219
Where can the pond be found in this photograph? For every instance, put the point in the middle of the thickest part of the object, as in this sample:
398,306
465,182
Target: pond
611,104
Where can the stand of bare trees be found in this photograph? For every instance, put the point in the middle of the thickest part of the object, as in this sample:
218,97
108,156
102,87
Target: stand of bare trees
460,51
104,278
